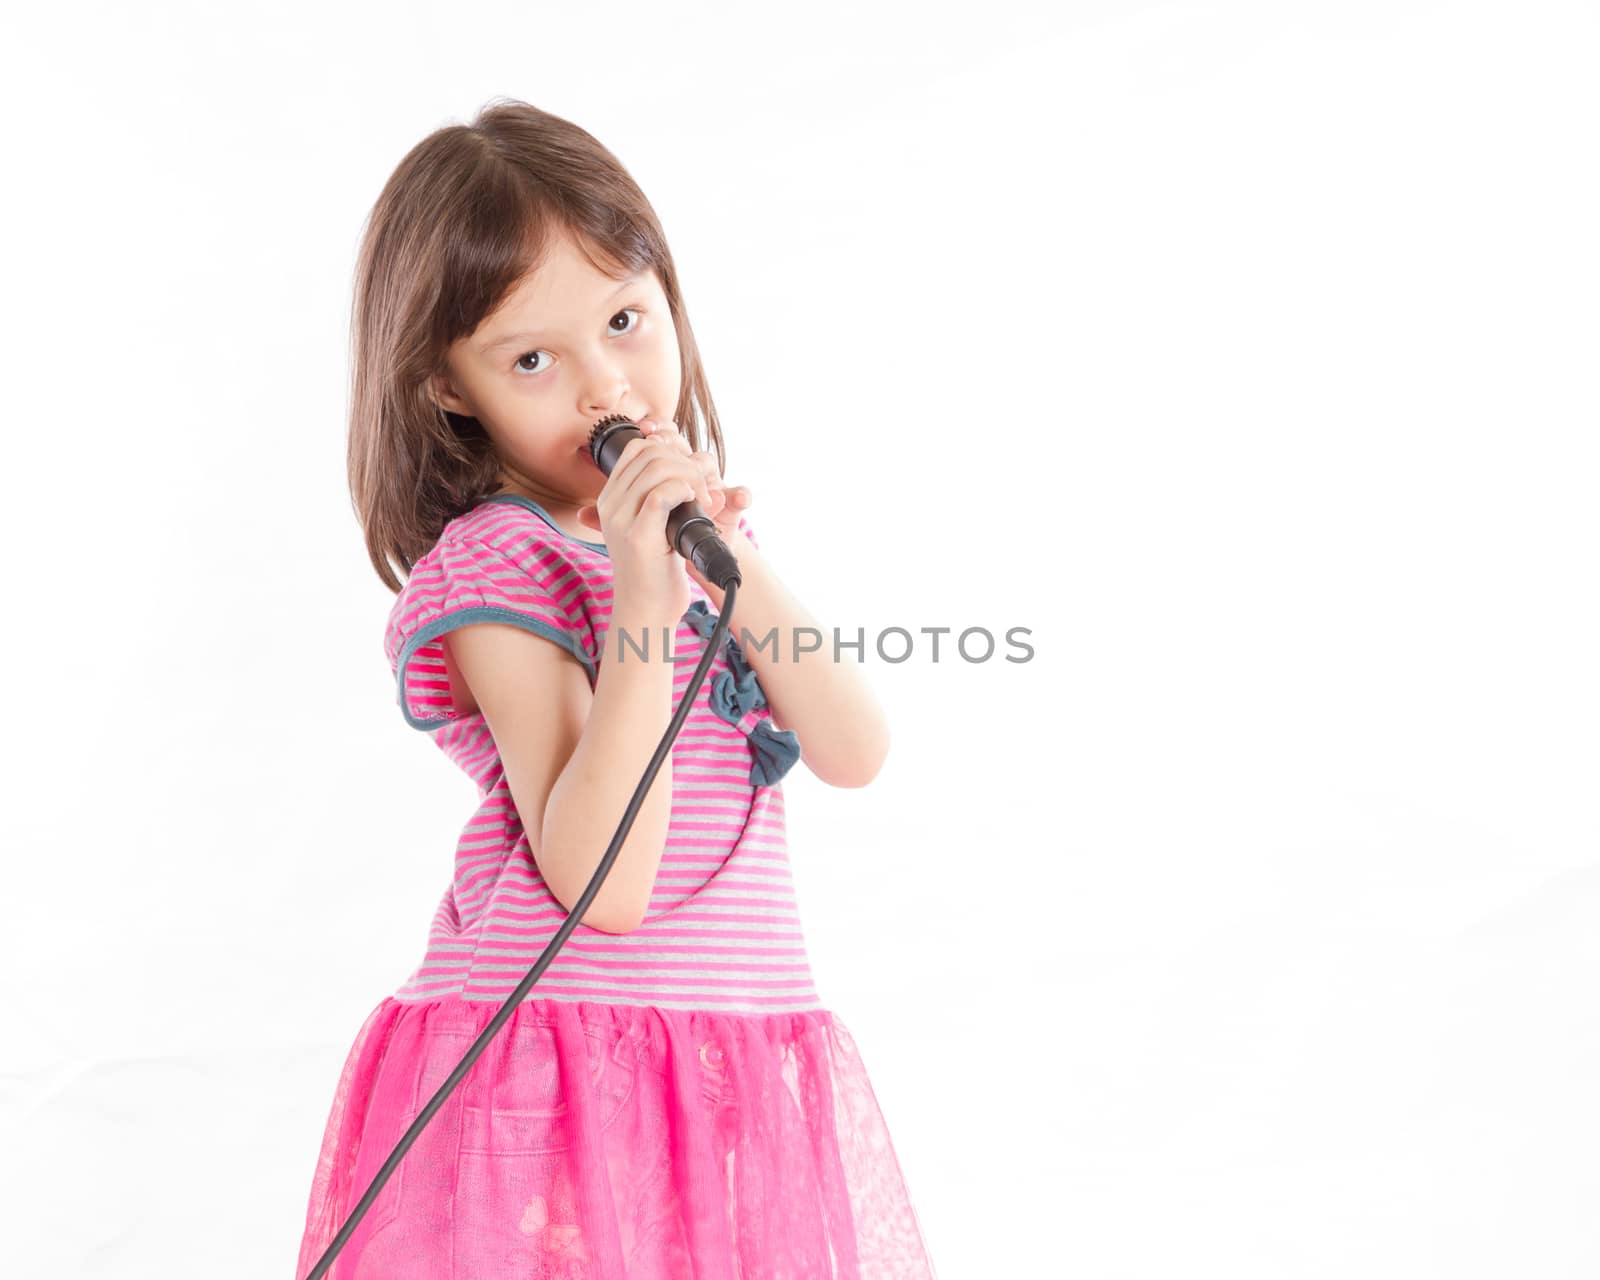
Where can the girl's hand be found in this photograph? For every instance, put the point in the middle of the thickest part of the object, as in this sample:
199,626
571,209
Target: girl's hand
652,475
722,503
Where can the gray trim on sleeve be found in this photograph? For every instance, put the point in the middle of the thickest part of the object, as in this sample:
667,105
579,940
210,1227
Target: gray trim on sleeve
462,617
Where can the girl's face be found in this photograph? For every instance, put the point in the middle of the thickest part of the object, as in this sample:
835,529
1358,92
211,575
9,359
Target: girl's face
569,345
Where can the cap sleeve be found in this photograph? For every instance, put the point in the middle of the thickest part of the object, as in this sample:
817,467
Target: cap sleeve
744,527
459,582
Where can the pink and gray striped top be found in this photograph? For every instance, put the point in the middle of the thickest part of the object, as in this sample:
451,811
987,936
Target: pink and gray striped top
722,930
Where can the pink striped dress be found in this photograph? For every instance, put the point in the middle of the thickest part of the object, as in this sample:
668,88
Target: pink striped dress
671,1102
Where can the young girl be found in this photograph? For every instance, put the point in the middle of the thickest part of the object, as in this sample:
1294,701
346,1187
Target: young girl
671,1099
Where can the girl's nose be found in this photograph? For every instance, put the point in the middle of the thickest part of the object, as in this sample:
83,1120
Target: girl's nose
607,390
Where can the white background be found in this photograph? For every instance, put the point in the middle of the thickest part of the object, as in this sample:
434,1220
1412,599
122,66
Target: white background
1243,352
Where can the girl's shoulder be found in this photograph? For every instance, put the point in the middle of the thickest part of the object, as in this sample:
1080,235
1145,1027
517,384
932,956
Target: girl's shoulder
504,530
502,561
518,526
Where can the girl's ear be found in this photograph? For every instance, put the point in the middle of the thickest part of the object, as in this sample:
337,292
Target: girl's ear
444,395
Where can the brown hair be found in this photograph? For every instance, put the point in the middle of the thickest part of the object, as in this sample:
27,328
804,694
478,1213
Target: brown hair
465,215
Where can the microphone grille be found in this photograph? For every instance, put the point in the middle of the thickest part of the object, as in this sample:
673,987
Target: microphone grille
604,427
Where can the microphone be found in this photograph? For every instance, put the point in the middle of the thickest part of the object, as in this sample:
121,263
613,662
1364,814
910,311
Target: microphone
690,531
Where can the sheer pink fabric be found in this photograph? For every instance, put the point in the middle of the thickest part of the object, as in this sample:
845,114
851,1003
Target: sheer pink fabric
595,1140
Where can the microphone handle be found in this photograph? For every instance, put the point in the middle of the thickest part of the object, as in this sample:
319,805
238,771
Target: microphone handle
695,537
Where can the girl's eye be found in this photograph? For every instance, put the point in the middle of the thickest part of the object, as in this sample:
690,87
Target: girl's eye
521,368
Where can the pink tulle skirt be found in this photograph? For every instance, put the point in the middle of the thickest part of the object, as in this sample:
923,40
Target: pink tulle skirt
610,1141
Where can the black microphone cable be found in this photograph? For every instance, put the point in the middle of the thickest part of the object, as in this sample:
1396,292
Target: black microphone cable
695,537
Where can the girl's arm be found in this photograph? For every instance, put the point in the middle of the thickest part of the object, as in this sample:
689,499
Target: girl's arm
843,734
574,756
